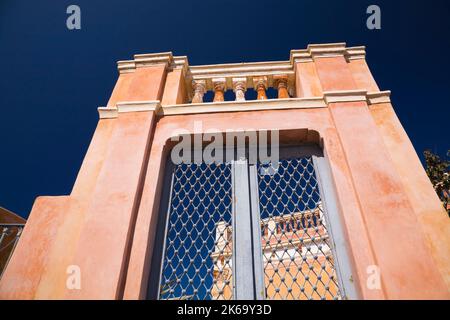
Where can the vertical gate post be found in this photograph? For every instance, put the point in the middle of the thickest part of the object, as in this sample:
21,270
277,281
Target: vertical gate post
242,224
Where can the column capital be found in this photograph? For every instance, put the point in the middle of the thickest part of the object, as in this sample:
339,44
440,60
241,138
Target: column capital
259,81
199,84
280,79
260,85
280,82
240,82
199,87
239,87
219,86
219,83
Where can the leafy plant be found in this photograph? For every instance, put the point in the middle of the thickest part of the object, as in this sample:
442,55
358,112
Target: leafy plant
437,170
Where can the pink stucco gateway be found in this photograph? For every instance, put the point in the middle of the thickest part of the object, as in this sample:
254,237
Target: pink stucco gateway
391,216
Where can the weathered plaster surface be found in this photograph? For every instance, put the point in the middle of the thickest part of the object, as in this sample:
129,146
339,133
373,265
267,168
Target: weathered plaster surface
391,216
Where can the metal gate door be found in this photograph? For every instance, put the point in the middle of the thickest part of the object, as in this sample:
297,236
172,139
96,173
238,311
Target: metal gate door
242,231
298,262
197,249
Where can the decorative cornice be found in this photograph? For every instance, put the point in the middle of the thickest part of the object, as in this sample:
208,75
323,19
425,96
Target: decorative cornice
107,113
376,97
238,106
345,96
326,50
145,60
137,106
354,53
128,106
207,74
149,59
301,55
315,51
373,97
180,62
248,70
126,66
328,97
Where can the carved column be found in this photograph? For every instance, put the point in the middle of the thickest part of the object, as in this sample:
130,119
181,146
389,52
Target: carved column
281,83
239,87
219,88
199,87
291,91
260,85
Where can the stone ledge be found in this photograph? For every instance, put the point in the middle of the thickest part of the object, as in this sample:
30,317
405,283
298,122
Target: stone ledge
138,106
128,106
373,97
313,51
376,97
239,106
328,97
150,59
107,113
345,96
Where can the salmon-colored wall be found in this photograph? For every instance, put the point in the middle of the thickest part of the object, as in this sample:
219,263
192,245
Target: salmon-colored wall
389,211
66,240
430,213
314,119
109,221
100,211
307,82
174,90
107,226
21,277
139,85
362,76
389,216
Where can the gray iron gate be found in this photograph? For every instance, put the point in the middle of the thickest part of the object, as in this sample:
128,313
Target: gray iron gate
245,231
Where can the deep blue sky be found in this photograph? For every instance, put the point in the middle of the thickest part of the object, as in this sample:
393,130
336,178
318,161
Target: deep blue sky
53,79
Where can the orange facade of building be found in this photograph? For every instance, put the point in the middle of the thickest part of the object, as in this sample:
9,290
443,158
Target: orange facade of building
390,215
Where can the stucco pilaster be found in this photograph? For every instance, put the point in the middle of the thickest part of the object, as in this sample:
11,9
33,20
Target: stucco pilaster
393,228
426,205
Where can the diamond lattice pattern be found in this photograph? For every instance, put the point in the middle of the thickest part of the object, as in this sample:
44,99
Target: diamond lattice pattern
197,256
296,247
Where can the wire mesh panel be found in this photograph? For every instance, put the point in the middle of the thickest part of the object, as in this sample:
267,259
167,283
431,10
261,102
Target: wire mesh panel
9,236
197,261
296,248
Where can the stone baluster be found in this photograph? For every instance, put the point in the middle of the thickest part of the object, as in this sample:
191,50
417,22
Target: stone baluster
219,85
239,87
199,87
260,85
291,91
281,83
